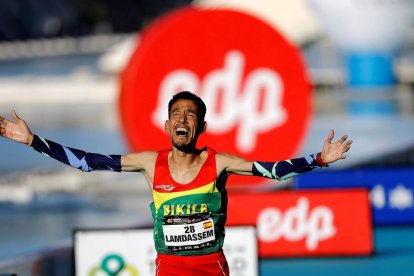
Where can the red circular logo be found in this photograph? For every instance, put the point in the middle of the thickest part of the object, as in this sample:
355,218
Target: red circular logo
253,81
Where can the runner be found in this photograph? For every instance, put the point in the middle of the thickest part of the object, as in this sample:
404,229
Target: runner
187,183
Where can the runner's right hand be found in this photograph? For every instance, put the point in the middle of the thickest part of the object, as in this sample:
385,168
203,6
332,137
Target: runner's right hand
16,130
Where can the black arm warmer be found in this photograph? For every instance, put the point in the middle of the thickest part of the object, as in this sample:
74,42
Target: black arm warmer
75,158
288,168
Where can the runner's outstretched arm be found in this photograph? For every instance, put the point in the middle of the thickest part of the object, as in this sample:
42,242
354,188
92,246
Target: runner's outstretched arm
19,131
281,170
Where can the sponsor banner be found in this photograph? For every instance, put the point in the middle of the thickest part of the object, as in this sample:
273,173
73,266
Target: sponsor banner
391,190
306,223
254,83
131,252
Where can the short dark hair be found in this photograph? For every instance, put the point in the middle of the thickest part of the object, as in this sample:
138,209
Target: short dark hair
187,95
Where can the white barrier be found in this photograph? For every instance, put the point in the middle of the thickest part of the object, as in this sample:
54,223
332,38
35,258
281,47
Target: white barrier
131,252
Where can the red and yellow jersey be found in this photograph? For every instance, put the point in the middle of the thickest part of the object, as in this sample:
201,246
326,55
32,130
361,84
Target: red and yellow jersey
189,218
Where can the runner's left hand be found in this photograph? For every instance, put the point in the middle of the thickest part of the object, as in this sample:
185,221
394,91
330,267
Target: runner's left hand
333,151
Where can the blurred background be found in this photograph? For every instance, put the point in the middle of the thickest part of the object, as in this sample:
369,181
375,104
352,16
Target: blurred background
60,63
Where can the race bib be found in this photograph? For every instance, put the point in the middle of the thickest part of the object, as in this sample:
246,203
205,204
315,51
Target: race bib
191,232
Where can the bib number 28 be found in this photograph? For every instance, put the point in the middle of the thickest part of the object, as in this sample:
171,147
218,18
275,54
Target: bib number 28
188,234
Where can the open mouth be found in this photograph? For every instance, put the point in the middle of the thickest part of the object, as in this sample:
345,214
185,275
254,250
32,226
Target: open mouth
182,131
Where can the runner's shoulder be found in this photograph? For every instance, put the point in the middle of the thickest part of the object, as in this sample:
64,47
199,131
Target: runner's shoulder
139,160
225,159
145,155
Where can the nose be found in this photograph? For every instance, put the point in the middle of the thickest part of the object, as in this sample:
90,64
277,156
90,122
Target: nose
183,118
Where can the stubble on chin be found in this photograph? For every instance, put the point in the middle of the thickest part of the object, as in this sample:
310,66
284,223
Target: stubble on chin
188,148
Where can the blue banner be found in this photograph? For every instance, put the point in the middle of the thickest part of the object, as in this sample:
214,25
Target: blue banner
391,190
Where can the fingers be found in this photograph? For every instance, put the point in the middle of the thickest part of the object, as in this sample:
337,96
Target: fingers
14,115
2,127
343,139
330,136
346,148
3,121
348,144
2,124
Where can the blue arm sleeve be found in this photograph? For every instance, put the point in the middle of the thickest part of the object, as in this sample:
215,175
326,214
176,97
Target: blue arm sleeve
75,158
288,168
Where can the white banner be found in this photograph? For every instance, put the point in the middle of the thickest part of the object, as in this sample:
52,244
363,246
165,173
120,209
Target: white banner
130,252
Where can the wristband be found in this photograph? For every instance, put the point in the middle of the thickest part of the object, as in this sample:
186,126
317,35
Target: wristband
319,161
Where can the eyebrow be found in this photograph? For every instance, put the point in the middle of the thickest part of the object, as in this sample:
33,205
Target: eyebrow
188,110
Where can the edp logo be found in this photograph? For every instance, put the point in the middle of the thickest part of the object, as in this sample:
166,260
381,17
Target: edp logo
233,101
297,223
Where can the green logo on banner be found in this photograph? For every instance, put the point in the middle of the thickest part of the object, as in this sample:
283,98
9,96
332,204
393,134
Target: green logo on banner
111,265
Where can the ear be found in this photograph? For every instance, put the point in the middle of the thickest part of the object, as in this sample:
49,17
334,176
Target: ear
204,127
167,126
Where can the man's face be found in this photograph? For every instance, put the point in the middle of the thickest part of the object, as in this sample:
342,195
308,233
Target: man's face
182,124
